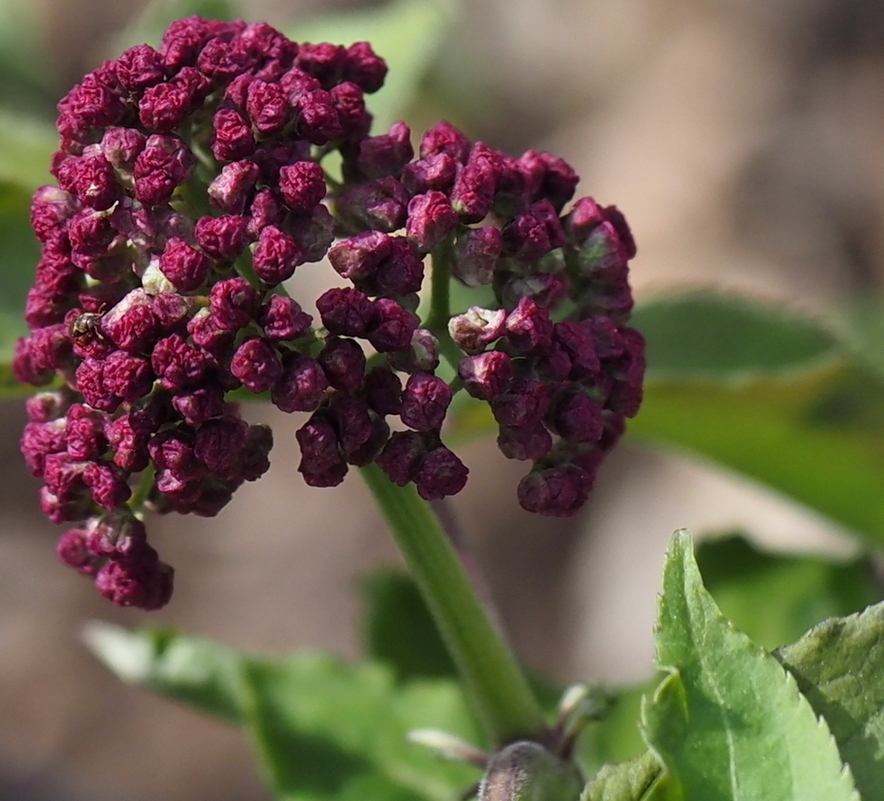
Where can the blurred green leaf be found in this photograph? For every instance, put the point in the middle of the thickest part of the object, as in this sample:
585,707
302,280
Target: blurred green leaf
325,729
28,84
839,666
199,672
149,26
405,33
728,722
26,148
321,728
775,598
706,335
399,630
19,252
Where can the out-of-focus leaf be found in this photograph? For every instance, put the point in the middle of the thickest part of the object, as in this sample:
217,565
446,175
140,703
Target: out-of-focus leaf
325,729
201,673
321,728
149,27
27,82
26,148
775,598
19,251
405,33
398,629
839,666
705,335
728,723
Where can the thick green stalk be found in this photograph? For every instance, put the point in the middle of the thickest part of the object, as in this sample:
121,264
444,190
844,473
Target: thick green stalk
494,682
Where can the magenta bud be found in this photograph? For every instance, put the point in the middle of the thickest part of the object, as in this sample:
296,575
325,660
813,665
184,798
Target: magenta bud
555,491
477,328
486,376
425,401
476,251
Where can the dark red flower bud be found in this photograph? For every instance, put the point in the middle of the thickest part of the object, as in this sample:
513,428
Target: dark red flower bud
200,405
392,327
578,418
357,258
387,154
233,138
267,107
435,172
445,138
349,103
178,364
524,443
301,386
473,192
425,401
302,185
116,536
577,341
524,405
529,326
164,163
486,375
72,550
441,474
50,208
221,237
343,361
282,319
548,177
108,484
322,464
383,391
139,67
314,233
231,191
346,312
276,256
431,219
233,303
256,364
219,444
533,233
556,491
185,266
402,456
381,205
143,582
476,251
421,355
126,376
84,433
128,441
364,68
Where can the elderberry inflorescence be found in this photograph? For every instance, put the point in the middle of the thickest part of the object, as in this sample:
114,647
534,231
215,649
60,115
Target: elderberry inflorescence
191,187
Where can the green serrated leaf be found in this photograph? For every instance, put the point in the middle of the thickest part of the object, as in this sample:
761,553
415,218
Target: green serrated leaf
326,729
775,598
405,33
615,738
199,672
640,779
839,666
399,630
728,722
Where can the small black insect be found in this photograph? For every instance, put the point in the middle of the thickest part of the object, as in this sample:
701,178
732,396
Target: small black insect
84,328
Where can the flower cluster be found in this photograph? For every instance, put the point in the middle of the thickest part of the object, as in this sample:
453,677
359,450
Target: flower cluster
190,187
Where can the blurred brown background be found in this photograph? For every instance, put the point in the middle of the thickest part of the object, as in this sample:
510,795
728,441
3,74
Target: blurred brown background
742,138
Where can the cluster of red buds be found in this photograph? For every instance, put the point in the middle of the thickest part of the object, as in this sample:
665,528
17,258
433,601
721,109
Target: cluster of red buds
190,187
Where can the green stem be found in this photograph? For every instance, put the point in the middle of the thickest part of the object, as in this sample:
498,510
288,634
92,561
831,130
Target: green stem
440,303
495,684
